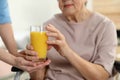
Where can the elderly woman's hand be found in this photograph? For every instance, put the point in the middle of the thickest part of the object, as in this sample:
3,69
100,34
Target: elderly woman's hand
59,43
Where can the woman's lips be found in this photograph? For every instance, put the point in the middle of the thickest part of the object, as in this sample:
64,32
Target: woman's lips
68,5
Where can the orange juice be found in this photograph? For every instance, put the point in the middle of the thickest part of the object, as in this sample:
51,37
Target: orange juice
38,41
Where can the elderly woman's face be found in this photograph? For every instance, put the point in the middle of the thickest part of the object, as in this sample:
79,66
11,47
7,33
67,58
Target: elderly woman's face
70,7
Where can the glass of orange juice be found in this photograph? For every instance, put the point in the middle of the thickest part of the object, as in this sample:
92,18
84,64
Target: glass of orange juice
38,39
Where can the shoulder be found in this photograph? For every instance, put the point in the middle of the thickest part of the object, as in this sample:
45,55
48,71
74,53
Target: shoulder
99,18
101,22
4,12
106,29
56,19
3,3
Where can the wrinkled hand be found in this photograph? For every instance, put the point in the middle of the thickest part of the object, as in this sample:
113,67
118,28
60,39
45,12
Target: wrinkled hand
59,43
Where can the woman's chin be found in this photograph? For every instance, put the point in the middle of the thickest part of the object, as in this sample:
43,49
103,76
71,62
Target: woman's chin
68,13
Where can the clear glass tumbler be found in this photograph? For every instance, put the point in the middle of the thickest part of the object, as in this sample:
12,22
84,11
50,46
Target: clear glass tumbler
38,39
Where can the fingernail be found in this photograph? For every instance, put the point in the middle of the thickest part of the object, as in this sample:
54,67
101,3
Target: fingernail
47,63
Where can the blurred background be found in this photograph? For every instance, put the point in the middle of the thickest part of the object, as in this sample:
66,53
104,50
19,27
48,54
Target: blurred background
34,12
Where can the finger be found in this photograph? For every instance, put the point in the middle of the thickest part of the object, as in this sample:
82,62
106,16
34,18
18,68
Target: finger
49,47
53,32
32,66
47,62
50,34
51,28
55,35
54,42
27,63
22,52
32,58
30,53
29,47
41,65
29,69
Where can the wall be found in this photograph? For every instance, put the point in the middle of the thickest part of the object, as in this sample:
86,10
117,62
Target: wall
31,12
111,9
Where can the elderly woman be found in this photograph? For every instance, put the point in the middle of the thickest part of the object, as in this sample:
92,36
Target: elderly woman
83,46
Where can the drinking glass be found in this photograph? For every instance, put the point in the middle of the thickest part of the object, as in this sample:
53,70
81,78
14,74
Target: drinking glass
38,39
